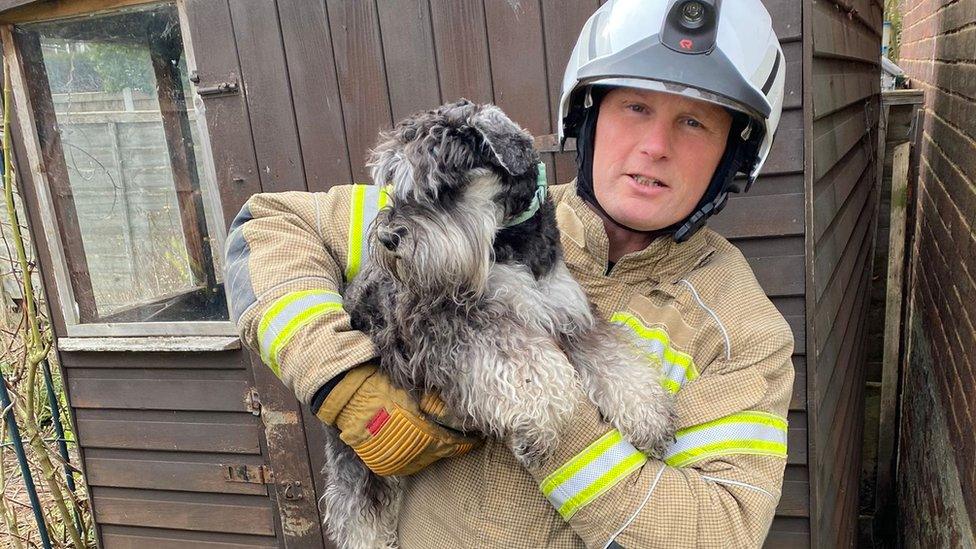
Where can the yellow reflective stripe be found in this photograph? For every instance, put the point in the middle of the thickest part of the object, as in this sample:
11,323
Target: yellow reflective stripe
355,247
293,327
288,313
607,481
571,467
678,367
366,202
756,433
589,474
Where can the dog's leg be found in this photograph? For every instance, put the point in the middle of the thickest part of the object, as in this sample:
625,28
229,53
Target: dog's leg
515,385
360,508
624,385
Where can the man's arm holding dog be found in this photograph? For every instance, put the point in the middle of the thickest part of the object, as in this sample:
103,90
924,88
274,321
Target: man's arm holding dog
718,486
289,256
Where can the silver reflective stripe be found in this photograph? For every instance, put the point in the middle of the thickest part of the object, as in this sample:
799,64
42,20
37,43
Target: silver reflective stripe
591,473
280,316
741,433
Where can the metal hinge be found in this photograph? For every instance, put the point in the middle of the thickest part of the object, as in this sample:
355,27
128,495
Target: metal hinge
252,401
251,474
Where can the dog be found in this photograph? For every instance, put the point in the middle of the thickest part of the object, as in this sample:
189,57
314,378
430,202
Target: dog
465,292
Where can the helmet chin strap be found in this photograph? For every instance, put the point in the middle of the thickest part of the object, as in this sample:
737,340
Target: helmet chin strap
712,201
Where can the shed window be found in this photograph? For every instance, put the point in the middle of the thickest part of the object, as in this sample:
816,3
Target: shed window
117,127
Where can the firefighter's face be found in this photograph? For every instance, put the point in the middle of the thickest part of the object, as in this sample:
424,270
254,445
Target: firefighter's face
654,155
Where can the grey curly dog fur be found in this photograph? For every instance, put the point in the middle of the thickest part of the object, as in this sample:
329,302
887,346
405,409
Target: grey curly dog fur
487,314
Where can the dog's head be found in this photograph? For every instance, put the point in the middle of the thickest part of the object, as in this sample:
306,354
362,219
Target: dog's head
459,174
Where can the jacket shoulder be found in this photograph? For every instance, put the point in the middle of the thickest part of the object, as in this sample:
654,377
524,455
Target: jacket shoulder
726,285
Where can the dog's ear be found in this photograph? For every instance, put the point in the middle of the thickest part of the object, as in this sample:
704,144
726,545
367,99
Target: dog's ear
511,144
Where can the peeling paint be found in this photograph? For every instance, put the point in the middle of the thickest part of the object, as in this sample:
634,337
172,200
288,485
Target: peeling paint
275,418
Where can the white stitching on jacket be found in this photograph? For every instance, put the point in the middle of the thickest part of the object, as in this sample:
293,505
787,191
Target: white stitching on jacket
728,345
737,483
639,507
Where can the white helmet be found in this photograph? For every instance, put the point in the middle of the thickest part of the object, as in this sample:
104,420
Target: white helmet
722,52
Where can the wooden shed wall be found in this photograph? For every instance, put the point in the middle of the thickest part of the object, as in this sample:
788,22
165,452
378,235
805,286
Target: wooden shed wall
842,218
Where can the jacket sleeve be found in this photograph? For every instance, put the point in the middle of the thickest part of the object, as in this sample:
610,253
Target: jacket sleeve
719,484
288,258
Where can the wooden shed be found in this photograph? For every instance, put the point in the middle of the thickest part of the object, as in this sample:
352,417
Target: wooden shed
142,126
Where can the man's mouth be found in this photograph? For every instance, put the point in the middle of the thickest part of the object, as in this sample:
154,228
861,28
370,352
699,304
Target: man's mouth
645,181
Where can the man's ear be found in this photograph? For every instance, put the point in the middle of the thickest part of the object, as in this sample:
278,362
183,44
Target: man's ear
511,144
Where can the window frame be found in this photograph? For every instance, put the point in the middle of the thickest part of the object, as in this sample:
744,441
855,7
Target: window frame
42,190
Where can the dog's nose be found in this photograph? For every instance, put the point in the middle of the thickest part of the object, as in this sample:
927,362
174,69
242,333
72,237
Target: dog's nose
389,239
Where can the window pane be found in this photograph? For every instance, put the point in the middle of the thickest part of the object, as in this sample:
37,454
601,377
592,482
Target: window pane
116,120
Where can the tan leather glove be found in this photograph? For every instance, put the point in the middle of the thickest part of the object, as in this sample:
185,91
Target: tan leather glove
390,431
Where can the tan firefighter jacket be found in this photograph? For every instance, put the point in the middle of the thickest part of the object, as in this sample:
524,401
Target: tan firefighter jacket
695,307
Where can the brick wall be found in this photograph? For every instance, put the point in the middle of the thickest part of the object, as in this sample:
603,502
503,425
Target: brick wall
936,478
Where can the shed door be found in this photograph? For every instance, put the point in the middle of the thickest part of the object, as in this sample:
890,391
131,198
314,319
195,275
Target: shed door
131,223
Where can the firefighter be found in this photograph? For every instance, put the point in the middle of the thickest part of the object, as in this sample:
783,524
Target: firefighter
668,103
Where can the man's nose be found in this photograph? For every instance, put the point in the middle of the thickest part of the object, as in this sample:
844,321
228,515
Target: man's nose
656,140
390,238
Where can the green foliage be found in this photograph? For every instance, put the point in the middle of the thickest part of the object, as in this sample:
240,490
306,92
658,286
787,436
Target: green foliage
892,12
99,67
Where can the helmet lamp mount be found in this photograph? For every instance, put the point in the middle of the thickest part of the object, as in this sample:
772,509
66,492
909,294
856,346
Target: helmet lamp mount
690,26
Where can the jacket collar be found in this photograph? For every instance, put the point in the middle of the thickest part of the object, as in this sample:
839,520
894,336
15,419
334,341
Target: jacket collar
663,260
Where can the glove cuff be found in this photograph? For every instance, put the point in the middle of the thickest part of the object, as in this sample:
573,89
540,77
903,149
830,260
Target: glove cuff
342,393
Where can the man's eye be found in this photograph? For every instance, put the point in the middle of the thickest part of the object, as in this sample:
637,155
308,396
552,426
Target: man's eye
637,108
693,123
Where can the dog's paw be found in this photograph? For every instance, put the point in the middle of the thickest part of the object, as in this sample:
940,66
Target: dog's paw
640,408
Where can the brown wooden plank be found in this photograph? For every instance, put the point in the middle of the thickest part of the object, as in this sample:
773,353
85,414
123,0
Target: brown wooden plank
838,83
520,87
786,18
187,393
786,156
887,409
463,64
168,471
837,133
358,52
212,51
796,439
797,324
37,10
408,50
849,225
795,501
562,21
779,276
789,533
799,400
836,35
171,431
831,192
793,90
843,271
230,360
268,95
843,370
182,159
315,92
750,216
238,514
133,537
28,47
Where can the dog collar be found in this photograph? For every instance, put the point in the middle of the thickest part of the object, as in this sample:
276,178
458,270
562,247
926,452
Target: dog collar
541,186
